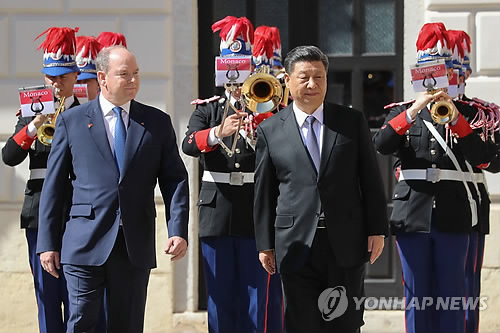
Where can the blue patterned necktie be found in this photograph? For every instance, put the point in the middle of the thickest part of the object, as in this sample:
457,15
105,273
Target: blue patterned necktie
312,142
120,138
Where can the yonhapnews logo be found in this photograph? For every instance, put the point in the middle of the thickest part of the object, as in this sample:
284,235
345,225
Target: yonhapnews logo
332,303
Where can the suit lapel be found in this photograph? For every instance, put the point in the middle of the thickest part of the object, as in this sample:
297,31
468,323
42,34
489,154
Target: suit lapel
291,129
98,132
329,137
135,133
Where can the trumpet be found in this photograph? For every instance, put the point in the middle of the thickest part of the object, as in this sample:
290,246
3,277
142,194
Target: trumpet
45,133
262,92
442,112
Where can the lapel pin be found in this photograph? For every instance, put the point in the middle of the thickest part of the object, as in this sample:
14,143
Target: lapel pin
142,124
90,125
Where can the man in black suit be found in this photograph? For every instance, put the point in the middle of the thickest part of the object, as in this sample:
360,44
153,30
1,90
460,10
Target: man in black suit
319,206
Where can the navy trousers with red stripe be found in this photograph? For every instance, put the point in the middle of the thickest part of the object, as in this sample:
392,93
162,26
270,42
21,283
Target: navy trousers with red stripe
473,278
51,293
242,297
433,270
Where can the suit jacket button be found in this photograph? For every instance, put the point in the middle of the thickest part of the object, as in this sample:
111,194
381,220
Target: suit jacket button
433,139
237,150
237,165
433,152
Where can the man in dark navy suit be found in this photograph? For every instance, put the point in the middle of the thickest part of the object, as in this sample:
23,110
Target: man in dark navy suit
115,150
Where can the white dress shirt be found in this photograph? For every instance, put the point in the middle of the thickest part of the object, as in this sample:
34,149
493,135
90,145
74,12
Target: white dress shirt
317,125
110,118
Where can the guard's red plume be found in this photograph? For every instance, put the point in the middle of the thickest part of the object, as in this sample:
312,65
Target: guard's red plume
62,39
231,28
466,41
456,41
431,36
108,38
87,47
275,37
263,42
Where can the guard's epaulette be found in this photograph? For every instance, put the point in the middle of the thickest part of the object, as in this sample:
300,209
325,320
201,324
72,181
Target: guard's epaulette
388,106
204,101
480,104
487,117
488,105
469,103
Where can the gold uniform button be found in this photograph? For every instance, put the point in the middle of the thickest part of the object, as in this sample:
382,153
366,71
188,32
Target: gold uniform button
433,152
237,150
237,165
433,139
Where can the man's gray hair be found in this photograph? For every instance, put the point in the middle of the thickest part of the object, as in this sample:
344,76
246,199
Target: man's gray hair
307,53
102,59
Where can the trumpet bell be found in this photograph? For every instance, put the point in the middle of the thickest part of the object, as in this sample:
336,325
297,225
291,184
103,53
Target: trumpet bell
442,112
45,134
261,92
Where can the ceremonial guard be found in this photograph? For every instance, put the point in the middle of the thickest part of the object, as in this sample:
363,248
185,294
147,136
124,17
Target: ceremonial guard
485,121
87,48
237,285
435,200
61,72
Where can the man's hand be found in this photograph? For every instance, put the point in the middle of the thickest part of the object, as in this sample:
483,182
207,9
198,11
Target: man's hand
375,246
176,247
231,125
420,103
267,260
40,120
50,262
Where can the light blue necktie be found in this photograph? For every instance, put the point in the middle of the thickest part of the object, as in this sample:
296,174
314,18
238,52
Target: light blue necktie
120,138
312,142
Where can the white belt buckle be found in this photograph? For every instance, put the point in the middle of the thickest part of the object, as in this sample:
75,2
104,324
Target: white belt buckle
236,178
432,175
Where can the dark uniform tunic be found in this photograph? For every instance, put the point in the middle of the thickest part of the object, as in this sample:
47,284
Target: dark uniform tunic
225,210
416,148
